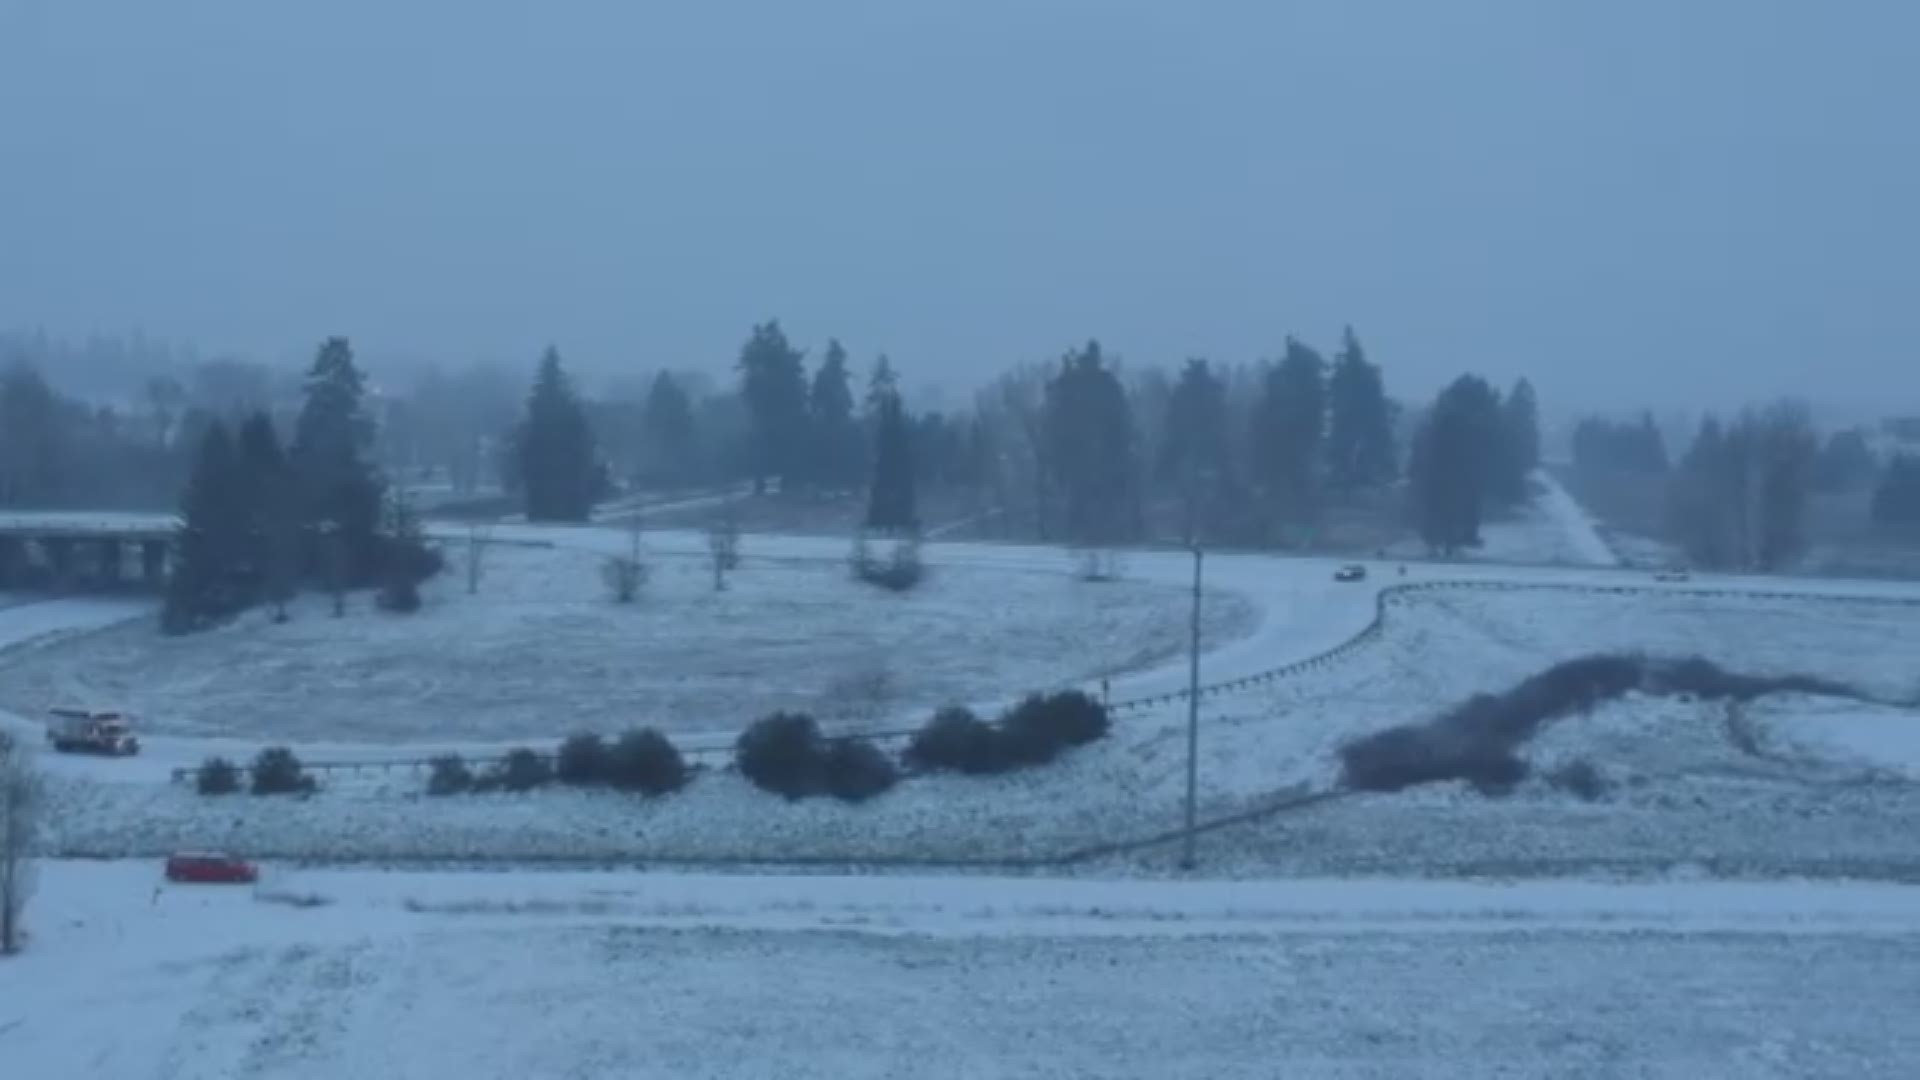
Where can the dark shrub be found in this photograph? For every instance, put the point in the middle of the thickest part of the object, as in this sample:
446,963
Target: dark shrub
409,558
857,770
276,771
1579,779
956,739
400,595
1068,718
1025,736
521,770
646,762
1039,728
1703,678
582,760
449,776
217,776
783,753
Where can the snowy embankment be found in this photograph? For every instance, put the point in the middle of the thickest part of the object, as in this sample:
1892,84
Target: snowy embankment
618,974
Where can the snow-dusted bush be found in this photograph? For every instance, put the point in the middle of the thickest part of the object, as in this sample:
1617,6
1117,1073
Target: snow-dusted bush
958,740
647,762
1033,732
277,771
856,770
521,770
1060,721
582,760
1476,740
217,776
783,753
449,775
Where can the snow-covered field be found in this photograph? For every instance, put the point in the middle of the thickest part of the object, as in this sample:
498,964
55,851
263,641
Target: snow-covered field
542,651
1688,783
408,975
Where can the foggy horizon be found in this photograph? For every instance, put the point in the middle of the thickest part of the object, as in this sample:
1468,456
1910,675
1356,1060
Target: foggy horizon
1691,208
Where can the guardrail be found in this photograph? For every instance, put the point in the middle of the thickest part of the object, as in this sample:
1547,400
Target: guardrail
1384,599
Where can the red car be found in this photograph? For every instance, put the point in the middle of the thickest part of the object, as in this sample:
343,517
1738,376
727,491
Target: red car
201,868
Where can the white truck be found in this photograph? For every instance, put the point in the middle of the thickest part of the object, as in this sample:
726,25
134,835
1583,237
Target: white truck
81,731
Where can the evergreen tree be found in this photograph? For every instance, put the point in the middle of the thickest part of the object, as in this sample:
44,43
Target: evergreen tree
341,493
773,382
31,454
558,471
892,503
1360,422
1288,428
1738,499
1089,431
1846,462
1520,443
1456,456
212,541
672,456
882,384
1194,453
272,562
836,435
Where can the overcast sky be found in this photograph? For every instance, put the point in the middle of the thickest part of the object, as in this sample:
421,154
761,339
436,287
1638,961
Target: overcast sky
1626,199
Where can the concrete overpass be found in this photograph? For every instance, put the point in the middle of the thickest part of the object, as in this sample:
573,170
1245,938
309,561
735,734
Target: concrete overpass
85,550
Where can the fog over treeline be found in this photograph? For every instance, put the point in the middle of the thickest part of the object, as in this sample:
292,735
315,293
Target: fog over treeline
1607,198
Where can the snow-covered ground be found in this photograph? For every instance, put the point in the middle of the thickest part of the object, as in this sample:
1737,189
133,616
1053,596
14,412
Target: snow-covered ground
542,651
1684,788
414,975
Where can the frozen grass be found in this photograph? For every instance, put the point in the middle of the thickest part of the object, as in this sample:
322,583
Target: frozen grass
543,651
430,976
1685,790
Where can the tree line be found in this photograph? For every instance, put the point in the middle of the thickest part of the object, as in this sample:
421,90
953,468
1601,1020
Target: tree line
1081,450
259,521
1739,497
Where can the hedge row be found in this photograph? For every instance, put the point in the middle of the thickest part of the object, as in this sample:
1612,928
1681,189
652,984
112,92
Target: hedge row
641,761
785,754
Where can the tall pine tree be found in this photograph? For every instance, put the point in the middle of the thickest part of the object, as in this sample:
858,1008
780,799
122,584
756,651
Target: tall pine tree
1520,443
672,455
1359,422
773,382
835,433
204,585
272,564
1456,457
1194,454
341,493
558,473
1289,426
1090,446
892,501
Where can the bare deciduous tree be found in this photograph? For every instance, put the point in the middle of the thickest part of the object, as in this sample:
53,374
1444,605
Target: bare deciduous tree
479,536
19,807
626,574
723,546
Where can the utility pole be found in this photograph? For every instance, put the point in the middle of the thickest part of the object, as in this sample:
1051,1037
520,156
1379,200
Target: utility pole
1193,715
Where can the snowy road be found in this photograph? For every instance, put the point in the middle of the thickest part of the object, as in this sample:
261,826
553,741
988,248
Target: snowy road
622,974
